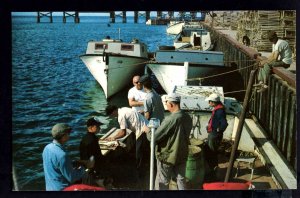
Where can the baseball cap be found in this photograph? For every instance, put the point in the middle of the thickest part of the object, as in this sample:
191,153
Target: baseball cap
173,97
213,97
60,130
93,121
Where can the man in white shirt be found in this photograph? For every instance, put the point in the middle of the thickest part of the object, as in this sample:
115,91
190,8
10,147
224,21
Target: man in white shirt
136,95
281,57
136,122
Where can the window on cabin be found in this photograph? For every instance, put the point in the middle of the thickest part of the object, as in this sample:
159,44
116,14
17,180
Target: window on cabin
100,46
127,47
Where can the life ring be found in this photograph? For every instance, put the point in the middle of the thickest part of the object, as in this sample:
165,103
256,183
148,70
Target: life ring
227,186
83,187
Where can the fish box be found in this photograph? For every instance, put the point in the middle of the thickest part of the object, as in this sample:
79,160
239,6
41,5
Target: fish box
193,97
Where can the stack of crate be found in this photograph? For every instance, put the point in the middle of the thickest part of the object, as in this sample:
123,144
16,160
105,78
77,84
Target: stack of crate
256,24
227,19
288,23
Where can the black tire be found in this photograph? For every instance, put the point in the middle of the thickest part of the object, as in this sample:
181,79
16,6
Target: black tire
166,48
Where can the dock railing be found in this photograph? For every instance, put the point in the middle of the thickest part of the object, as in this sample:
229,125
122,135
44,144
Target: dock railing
275,109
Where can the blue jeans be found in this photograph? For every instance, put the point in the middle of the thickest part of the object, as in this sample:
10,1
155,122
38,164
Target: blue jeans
166,171
214,141
264,72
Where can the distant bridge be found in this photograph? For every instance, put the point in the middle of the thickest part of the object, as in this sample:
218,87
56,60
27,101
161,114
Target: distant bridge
160,15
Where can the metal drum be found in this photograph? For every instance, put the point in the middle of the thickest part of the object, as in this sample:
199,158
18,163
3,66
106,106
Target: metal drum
195,168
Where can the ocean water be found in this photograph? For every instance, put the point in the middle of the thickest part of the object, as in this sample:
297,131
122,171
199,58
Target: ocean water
50,84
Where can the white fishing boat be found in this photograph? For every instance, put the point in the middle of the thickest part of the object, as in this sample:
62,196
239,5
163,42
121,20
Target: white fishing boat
193,36
173,67
175,27
113,62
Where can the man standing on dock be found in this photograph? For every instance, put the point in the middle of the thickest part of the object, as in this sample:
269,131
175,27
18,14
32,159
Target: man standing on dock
136,95
281,57
216,126
58,169
172,140
153,106
89,146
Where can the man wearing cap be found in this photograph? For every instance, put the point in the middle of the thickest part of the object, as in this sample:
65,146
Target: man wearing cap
281,57
136,95
89,146
172,140
153,106
58,169
217,124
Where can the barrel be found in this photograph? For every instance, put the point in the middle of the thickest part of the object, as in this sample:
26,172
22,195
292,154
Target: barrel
195,171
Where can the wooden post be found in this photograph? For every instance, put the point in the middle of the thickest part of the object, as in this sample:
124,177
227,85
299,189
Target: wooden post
76,17
124,16
159,14
193,14
147,15
64,17
51,18
112,17
241,123
171,14
38,19
136,16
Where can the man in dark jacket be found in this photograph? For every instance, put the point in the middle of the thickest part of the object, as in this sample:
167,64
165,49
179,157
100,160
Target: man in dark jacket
89,146
216,126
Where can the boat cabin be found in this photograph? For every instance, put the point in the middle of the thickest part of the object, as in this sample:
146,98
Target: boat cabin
197,38
134,48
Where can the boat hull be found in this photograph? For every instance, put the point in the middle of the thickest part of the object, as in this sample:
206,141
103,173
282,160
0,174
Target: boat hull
171,75
112,71
175,28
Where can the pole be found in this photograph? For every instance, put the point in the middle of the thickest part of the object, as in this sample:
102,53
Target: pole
186,70
153,124
152,159
241,123
119,33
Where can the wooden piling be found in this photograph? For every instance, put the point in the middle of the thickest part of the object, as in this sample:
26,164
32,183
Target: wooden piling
38,20
47,14
171,14
112,17
51,18
159,14
136,16
76,17
64,17
147,15
124,16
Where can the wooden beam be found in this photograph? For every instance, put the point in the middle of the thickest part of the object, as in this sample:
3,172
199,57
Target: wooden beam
286,75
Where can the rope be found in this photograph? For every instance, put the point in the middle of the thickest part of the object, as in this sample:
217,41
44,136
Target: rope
193,79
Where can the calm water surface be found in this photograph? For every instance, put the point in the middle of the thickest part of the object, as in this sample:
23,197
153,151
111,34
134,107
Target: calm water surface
50,84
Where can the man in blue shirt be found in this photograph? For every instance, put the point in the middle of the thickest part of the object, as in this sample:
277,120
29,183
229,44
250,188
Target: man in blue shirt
58,169
153,106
